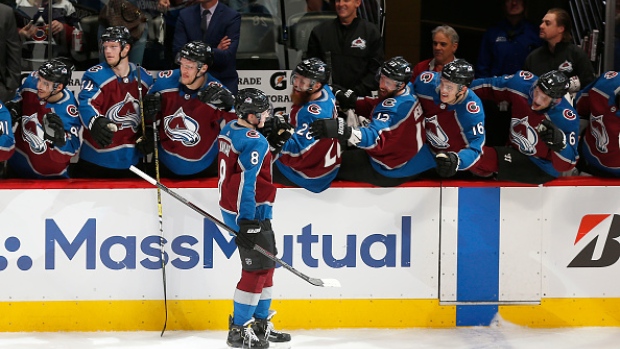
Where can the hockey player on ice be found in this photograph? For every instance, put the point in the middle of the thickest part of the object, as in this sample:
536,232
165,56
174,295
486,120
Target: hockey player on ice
247,194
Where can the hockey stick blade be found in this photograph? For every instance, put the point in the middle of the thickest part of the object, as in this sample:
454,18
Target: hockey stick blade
313,281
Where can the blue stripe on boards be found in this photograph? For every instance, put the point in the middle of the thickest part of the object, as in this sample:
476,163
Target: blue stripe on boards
475,315
477,254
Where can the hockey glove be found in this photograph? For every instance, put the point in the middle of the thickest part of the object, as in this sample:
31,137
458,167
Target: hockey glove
145,143
447,164
330,128
552,135
346,98
15,108
151,106
217,96
102,130
54,129
278,138
248,233
274,123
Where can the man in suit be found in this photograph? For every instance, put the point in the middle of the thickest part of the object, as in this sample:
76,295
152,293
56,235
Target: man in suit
220,30
10,54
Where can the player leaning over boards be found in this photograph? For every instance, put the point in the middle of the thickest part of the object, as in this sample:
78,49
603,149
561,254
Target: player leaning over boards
304,161
247,194
453,117
110,110
599,149
189,105
391,146
544,127
47,127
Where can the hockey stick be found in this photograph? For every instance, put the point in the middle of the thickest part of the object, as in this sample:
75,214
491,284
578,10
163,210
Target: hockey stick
314,281
159,208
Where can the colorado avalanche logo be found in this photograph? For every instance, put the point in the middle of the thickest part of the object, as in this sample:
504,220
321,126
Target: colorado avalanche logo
436,136
426,77
566,67
523,135
599,132
569,114
472,107
526,75
165,74
40,34
94,69
180,127
72,110
358,43
314,109
125,113
252,134
611,74
389,102
32,133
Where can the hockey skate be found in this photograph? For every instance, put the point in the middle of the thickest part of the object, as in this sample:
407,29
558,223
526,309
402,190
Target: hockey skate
243,336
264,328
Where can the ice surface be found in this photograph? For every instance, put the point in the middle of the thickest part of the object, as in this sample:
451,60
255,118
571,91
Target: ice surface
473,337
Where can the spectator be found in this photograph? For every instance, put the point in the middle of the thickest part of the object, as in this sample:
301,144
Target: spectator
131,14
503,51
48,130
599,150
109,109
505,46
559,52
247,194
189,122
389,152
543,129
453,117
219,28
33,30
445,43
10,55
352,47
304,161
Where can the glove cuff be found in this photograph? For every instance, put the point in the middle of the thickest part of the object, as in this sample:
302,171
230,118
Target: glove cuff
356,136
92,121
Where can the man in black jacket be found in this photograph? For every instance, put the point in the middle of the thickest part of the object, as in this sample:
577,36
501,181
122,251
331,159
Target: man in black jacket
351,46
559,53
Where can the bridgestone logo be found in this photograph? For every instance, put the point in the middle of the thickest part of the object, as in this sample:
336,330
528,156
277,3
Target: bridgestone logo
603,249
